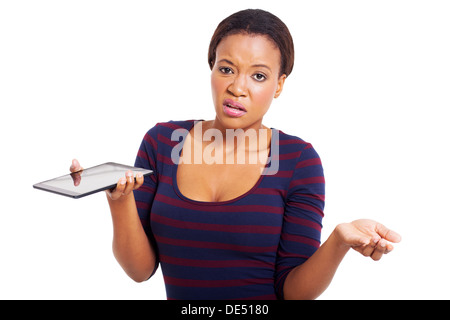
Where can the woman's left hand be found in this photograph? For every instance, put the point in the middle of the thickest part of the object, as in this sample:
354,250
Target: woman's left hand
368,237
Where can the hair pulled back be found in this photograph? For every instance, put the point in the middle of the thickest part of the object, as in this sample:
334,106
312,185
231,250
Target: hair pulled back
256,22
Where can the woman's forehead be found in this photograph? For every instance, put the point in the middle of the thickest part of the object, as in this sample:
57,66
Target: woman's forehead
247,48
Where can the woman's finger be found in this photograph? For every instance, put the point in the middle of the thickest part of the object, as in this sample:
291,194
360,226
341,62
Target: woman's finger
75,166
117,192
139,180
130,183
368,250
389,248
379,250
387,234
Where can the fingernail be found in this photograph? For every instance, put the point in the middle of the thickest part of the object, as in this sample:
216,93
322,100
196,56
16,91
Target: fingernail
139,175
123,181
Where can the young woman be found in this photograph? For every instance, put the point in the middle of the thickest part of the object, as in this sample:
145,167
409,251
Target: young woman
234,209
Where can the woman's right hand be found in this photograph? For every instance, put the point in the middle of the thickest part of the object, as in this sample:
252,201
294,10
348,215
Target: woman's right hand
124,186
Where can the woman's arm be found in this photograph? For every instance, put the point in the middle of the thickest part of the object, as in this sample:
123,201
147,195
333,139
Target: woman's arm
310,279
131,246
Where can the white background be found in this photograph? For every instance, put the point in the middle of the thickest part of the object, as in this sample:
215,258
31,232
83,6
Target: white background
87,79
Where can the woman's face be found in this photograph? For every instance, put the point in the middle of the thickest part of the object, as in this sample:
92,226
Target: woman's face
244,80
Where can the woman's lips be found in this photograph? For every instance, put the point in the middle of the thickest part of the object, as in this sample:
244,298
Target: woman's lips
233,108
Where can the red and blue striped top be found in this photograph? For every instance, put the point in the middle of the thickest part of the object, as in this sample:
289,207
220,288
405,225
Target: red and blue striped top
238,249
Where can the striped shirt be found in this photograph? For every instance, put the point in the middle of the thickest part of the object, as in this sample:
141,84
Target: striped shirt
238,249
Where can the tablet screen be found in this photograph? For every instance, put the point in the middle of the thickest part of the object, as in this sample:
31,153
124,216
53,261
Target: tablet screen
89,181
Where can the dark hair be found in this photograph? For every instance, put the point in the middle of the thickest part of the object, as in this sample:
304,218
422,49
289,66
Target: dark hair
257,22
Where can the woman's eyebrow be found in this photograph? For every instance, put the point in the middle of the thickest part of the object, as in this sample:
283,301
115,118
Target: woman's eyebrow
227,61
259,65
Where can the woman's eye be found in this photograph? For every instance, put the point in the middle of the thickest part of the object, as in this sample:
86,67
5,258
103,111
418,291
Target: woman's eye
226,70
259,77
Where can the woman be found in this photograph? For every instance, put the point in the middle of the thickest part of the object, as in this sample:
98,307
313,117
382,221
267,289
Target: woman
234,209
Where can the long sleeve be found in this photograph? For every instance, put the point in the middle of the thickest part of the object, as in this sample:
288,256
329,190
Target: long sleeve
302,221
144,196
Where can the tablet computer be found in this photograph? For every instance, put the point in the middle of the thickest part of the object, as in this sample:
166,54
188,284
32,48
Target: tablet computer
88,181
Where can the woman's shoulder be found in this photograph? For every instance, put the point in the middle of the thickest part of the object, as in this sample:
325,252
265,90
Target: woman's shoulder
292,142
294,149
174,125
166,129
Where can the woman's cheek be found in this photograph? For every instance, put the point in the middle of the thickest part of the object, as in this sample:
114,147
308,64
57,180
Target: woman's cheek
218,87
263,96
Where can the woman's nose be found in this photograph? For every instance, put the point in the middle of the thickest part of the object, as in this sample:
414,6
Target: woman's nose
238,86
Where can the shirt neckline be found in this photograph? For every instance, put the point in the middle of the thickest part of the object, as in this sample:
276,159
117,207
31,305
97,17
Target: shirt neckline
217,203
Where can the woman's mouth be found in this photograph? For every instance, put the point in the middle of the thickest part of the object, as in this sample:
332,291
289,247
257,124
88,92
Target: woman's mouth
233,108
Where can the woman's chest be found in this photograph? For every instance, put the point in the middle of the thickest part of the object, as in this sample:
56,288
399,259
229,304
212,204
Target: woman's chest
217,182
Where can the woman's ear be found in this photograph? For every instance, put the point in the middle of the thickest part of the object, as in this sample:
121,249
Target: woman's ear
280,85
